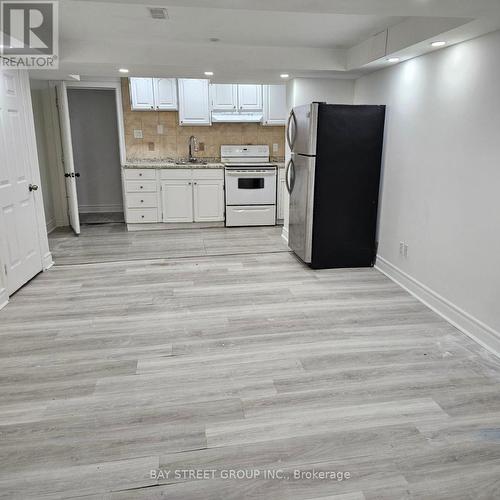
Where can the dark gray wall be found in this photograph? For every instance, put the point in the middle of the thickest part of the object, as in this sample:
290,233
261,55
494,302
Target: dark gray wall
94,132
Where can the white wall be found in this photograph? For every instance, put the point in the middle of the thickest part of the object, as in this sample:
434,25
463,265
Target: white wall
441,178
307,90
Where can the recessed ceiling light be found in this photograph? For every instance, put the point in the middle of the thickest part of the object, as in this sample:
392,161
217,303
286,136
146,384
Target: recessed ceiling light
438,44
123,70
393,59
209,73
284,75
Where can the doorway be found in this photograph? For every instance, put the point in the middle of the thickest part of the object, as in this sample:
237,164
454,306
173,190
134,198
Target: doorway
96,154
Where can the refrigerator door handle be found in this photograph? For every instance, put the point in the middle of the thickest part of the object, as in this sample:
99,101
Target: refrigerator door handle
287,181
289,139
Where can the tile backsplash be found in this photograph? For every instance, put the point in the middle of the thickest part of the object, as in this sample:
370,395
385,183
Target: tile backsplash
157,134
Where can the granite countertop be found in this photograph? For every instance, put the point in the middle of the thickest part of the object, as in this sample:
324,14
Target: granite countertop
173,164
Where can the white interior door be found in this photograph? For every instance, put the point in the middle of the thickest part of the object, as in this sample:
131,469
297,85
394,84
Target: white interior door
69,166
20,250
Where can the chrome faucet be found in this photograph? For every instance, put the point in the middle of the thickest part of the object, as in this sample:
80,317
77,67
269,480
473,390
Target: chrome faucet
193,146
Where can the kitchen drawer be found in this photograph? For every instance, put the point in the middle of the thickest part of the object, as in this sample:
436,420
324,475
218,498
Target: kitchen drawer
142,200
208,173
175,173
138,215
141,186
138,174
251,215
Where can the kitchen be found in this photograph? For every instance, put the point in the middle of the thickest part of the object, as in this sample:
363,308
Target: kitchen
194,129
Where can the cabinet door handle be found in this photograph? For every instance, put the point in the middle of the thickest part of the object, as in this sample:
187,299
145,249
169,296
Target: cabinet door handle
195,183
189,184
140,175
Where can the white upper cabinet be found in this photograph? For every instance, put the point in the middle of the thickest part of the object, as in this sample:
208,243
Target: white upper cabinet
194,103
165,92
224,96
153,93
275,108
249,97
142,93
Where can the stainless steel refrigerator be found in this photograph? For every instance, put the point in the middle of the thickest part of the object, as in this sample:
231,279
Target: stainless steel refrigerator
333,179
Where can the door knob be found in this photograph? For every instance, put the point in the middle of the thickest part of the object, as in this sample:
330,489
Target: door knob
77,174
33,187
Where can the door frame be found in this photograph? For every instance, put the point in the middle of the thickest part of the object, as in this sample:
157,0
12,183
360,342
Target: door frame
91,85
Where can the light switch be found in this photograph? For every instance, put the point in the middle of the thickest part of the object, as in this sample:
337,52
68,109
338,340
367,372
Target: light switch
275,148
159,129
137,133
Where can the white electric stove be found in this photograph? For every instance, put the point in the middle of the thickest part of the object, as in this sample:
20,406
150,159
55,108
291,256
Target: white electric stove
250,186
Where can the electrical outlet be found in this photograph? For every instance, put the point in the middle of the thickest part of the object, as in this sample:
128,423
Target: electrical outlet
160,129
275,148
405,250
138,133
201,146
401,248
151,146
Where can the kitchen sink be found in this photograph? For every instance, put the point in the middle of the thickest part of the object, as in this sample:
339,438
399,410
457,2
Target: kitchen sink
191,162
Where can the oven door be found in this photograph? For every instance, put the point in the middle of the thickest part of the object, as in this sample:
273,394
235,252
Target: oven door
251,186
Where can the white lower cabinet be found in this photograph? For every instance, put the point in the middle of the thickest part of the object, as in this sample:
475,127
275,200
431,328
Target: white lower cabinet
208,200
177,200
174,195
192,195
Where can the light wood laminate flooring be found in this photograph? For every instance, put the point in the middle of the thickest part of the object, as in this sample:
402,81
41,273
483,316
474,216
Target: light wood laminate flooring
244,362
112,242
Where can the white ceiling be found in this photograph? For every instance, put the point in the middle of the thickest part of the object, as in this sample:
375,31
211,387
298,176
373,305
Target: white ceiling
131,23
258,38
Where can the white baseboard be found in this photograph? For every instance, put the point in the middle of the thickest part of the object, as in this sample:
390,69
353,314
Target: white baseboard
284,234
4,300
162,226
483,334
92,209
51,225
47,261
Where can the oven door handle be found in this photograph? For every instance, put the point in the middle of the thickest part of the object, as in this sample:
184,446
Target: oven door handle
251,209
249,174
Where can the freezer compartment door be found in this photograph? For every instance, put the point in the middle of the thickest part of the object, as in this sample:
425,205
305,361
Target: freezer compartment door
302,129
301,175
